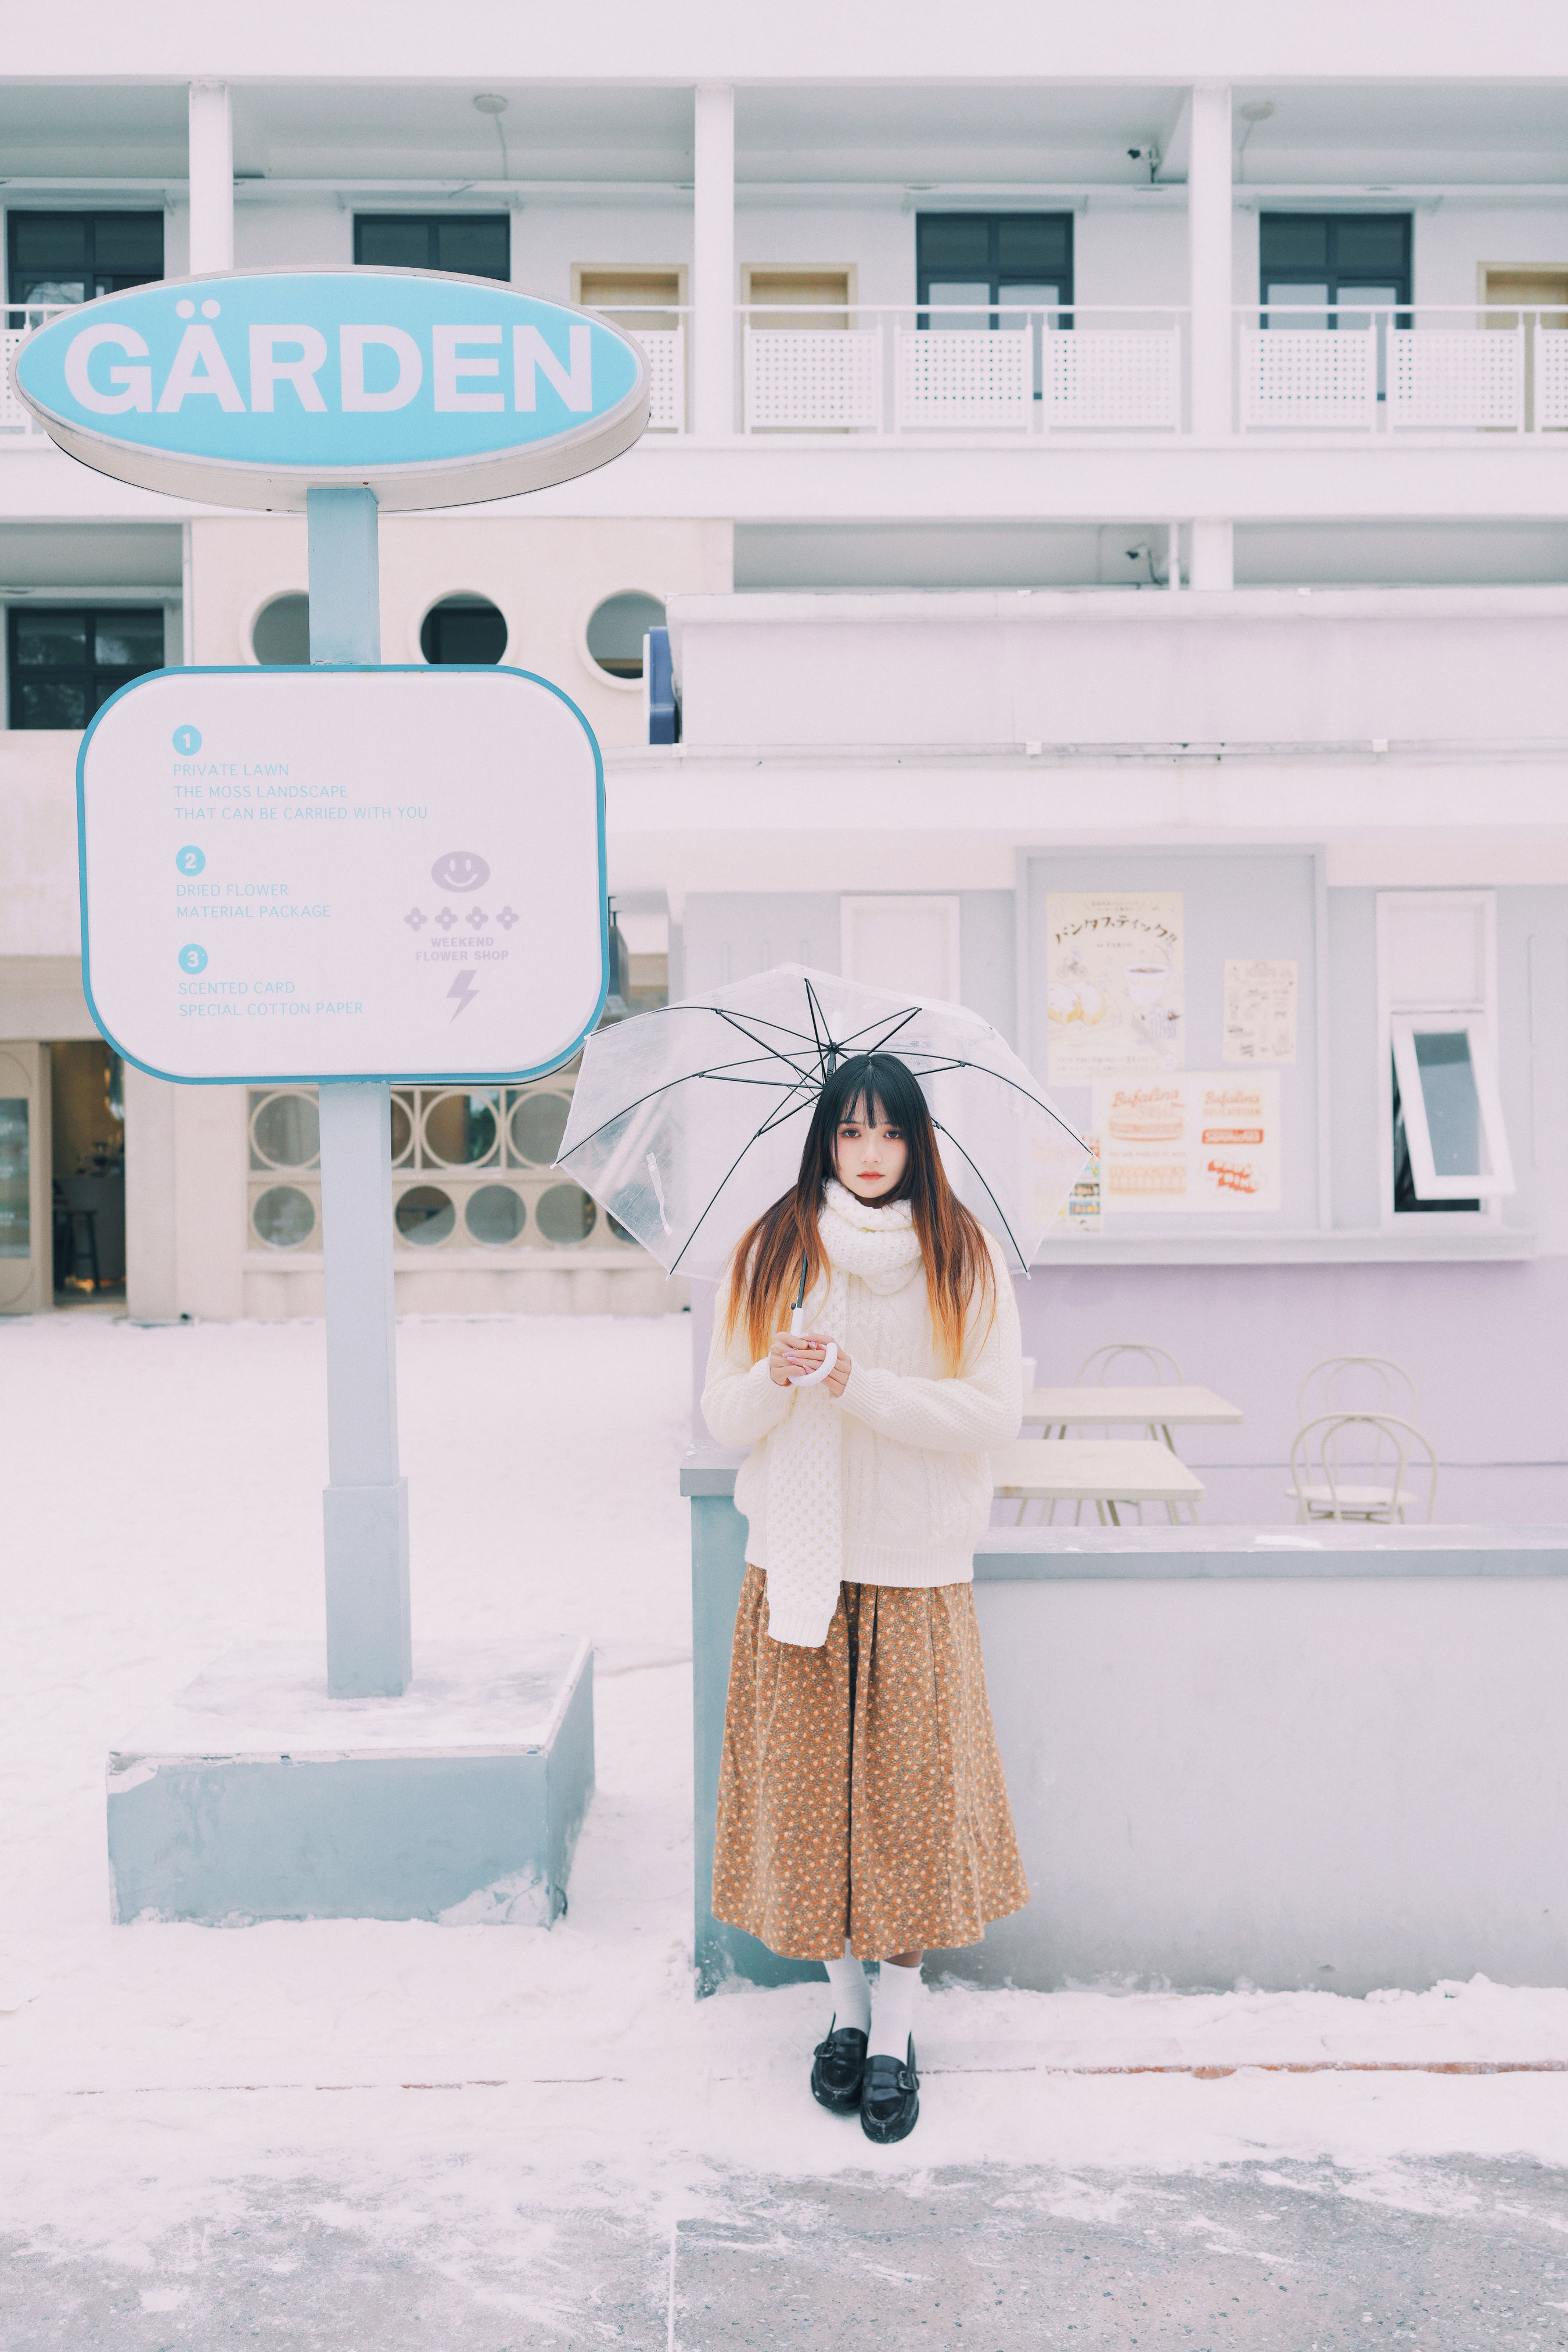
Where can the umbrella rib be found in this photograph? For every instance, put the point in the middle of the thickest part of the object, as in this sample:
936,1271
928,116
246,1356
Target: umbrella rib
990,1195
723,1180
719,1074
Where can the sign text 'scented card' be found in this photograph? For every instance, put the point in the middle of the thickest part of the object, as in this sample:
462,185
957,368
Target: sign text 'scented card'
343,873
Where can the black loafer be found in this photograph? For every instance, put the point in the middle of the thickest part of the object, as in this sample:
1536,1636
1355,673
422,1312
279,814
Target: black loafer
890,2100
837,2067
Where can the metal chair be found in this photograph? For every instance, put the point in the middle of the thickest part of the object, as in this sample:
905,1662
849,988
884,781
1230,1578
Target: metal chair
1332,1478
1095,1372
1145,1366
1357,1384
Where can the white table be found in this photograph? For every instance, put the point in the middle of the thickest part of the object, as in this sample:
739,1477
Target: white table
1105,1471
1152,1409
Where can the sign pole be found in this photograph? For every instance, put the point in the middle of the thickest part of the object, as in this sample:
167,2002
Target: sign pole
366,1507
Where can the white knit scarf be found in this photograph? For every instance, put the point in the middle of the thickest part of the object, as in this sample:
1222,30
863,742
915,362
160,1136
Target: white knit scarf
806,1491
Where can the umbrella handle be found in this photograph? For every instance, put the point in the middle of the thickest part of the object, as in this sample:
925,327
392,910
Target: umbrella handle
809,1379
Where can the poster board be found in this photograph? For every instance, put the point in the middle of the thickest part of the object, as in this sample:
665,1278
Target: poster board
1258,915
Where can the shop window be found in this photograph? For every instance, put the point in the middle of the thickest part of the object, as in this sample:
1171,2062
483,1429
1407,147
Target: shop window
1445,1148
468,245
281,634
996,267
906,944
615,631
463,630
65,661
68,257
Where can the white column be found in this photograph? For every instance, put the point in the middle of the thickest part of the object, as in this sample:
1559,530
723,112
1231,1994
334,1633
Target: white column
1208,253
713,260
152,1257
1213,563
1209,326
211,178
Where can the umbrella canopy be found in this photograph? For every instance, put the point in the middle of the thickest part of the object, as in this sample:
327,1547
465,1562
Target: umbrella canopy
689,1122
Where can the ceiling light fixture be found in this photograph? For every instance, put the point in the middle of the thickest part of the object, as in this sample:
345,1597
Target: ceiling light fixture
1256,110
490,101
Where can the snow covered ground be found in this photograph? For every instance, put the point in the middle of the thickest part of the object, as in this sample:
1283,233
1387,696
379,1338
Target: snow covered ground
462,2097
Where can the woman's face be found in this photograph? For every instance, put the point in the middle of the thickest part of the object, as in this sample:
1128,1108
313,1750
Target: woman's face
870,1154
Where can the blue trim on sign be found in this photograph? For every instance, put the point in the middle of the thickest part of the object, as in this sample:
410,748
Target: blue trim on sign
340,1077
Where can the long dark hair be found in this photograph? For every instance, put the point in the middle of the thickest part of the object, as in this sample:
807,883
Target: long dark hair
874,1089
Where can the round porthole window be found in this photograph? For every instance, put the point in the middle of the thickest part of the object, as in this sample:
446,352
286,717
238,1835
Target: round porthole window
287,1131
460,1129
495,1215
425,1215
564,1215
537,1124
615,631
284,1217
281,634
401,1127
466,631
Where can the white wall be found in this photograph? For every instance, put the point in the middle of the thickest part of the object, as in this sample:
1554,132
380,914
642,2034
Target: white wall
1258,667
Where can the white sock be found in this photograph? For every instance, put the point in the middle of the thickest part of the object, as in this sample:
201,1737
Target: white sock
851,1994
893,2011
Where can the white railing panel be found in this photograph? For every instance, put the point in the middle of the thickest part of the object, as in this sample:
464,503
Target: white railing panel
1110,379
1551,379
1441,379
952,376
807,379
14,417
1305,376
666,350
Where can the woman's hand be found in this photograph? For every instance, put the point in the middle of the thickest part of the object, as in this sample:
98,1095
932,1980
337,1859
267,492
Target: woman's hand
801,1352
793,1351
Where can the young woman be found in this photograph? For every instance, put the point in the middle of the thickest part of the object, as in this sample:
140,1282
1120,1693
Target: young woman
862,1809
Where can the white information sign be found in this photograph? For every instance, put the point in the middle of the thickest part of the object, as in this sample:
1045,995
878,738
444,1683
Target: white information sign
343,873
1259,1009
1189,1140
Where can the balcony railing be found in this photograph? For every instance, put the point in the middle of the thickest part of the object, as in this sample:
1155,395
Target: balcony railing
20,318
940,369
934,373
1366,369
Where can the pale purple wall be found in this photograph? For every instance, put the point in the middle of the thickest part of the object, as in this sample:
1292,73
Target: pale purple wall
1483,1344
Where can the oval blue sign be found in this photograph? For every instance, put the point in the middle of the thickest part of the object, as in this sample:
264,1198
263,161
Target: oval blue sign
251,388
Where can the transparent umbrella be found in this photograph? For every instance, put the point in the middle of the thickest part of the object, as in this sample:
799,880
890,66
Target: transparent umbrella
688,1121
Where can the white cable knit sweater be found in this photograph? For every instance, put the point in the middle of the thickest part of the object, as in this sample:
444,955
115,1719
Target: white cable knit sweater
914,1477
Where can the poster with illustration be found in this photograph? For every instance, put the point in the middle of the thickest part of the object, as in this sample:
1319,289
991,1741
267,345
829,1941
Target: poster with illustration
1259,1010
1202,1140
1114,999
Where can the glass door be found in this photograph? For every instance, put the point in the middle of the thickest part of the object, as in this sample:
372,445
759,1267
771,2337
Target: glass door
27,1237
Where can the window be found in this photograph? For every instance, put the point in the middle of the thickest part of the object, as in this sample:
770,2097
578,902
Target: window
1323,257
64,663
640,299
616,632
74,257
469,245
472,1169
909,945
801,298
996,259
1446,1146
280,632
464,631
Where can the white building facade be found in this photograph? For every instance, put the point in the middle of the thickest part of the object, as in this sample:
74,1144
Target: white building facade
1092,460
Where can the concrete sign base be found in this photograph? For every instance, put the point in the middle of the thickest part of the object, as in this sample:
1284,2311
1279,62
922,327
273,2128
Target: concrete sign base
251,1795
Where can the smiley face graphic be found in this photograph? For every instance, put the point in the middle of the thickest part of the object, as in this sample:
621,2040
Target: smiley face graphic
460,869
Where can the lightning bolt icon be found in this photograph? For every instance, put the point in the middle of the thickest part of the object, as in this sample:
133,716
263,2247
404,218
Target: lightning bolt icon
465,991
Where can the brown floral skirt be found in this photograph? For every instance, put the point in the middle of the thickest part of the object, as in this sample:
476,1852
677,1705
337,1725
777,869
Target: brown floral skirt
861,1793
